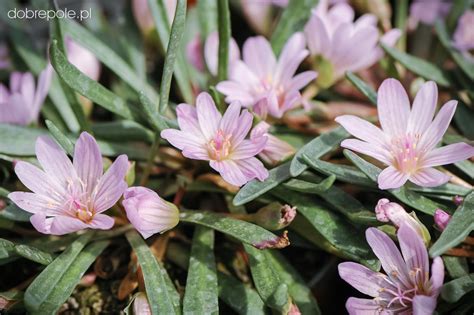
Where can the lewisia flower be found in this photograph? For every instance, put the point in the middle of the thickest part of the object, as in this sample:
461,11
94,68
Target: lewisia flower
207,135
142,14
67,197
22,103
406,287
276,150
148,213
427,12
339,44
441,219
408,139
464,34
262,82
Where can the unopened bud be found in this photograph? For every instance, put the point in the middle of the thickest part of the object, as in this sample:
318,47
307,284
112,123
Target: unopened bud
275,216
141,305
441,219
458,200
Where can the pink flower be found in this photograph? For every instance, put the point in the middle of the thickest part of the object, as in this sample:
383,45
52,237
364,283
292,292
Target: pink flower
142,14
67,197
148,213
275,150
405,288
262,82
408,139
335,39
207,135
83,59
441,219
211,48
427,12
464,33
22,103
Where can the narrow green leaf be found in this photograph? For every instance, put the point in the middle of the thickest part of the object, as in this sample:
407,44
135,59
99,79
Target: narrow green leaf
363,87
456,266
63,141
13,213
316,148
153,274
455,289
457,9
177,30
310,188
39,291
71,277
419,66
403,194
155,119
459,227
224,38
201,285
293,19
401,13
463,118
160,17
34,254
121,130
299,291
239,297
107,56
18,140
6,248
243,231
85,86
207,13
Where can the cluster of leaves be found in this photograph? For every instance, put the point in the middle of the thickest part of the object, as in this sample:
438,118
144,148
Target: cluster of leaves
334,201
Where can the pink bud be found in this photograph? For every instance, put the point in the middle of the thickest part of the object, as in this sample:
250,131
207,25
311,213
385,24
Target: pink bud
275,216
83,59
458,200
276,150
141,305
441,219
194,53
148,213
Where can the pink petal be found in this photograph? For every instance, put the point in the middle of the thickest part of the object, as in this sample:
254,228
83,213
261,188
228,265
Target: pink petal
241,73
368,149
248,148
423,108
258,55
366,20
102,222
393,107
362,129
391,178
44,82
253,168
181,139
317,36
244,124
112,185
208,115
429,177
230,121
414,252
88,161
356,306
41,223
36,180
211,48
196,153
292,55
35,203
27,89
15,81
300,80
451,153
437,275
187,119
391,37
194,53
230,172
423,305
64,225
362,278
342,12
438,127
234,92
387,252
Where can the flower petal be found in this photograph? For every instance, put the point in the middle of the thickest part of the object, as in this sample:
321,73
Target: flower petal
449,154
429,177
248,148
258,55
187,119
423,108
112,185
362,129
208,115
414,253
300,80
41,223
423,304
317,36
181,139
64,225
35,203
253,168
391,178
230,172
37,181
362,278
368,149
88,162
393,106
437,275
230,120
438,127
44,81
356,306
102,222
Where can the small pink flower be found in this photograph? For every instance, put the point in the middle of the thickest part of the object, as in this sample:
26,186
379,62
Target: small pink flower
441,219
405,288
148,213
275,150
207,135
408,138
464,33
67,197
83,59
427,12
22,103
261,79
348,45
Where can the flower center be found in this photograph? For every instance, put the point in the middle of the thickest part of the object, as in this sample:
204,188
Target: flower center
219,146
406,153
81,211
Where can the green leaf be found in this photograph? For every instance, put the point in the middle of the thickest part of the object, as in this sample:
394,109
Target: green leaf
454,290
207,12
456,266
255,188
159,13
293,19
224,38
33,254
107,56
85,86
363,87
316,148
239,297
310,188
177,30
403,194
243,231
122,130
6,248
419,66
463,118
201,284
459,227
19,140
153,274
466,66
13,213
300,293
40,290
63,140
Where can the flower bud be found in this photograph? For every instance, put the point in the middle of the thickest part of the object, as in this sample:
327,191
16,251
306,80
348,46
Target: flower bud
441,219
141,305
130,176
149,213
276,150
274,216
458,200
387,211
